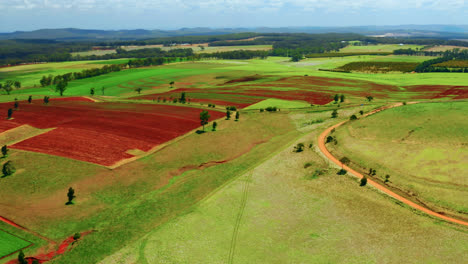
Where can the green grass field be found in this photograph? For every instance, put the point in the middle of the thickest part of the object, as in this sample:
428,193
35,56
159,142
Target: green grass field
431,138
278,103
10,243
281,212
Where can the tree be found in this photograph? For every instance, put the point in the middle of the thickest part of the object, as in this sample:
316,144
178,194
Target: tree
387,178
361,112
70,195
35,261
8,86
182,98
369,98
172,83
61,86
214,126
299,147
76,236
329,139
103,89
336,98
353,117
5,150
228,115
237,116
138,90
8,168
10,113
296,57
17,84
16,105
342,172
334,114
21,258
30,99
91,91
342,98
363,181
46,100
204,116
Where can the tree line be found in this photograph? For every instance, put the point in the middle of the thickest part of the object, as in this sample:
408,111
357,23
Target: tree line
430,65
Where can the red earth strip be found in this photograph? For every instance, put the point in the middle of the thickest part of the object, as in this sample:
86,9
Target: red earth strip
62,248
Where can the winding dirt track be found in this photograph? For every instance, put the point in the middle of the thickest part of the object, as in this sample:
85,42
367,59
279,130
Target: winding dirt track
323,148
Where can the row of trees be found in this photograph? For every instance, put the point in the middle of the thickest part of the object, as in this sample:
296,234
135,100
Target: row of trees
429,65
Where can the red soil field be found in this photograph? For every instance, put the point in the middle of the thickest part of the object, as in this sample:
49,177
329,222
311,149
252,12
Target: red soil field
100,133
439,91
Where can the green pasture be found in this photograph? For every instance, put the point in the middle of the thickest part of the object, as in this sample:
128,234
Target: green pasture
124,83
278,103
30,75
422,147
10,243
281,212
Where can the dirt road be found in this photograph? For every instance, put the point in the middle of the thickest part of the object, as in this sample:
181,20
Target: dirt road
323,148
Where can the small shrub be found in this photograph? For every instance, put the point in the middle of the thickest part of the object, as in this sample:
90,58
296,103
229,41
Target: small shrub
271,109
387,178
345,160
353,117
363,181
342,172
404,103
329,139
231,108
5,150
311,145
307,165
261,110
299,147
361,112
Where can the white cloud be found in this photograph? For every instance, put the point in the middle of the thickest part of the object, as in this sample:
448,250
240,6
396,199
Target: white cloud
236,5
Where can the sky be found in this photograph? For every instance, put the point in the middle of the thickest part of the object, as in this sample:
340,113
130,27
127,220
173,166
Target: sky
158,14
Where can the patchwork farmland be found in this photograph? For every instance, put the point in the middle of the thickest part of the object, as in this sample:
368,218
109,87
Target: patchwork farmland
100,133
260,181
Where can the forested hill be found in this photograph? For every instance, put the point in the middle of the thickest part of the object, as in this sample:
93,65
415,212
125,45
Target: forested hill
73,34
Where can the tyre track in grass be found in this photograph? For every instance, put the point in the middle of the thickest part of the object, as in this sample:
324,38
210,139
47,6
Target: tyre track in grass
329,156
245,193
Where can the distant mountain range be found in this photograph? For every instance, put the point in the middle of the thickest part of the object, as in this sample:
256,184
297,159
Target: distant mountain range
73,34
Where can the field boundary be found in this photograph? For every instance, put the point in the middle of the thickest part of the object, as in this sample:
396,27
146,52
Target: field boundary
329,156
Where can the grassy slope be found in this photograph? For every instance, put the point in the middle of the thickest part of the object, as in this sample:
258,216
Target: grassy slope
278,103
124,203
285,216
430,138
